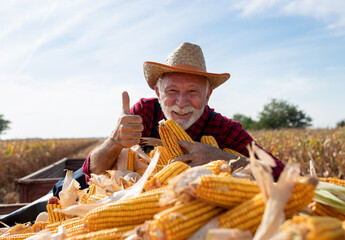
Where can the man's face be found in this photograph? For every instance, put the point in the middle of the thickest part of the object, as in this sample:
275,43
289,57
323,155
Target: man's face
183,97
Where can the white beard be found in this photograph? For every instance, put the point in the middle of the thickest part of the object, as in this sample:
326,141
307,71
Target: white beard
196,114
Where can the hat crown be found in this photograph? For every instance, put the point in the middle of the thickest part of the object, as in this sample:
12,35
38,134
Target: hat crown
187,54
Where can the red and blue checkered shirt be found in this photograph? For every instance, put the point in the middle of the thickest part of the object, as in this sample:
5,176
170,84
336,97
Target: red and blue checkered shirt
228,133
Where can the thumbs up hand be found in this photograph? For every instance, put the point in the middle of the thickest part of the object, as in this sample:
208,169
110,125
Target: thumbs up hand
129,127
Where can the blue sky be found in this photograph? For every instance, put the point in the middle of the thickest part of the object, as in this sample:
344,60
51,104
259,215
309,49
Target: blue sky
64,64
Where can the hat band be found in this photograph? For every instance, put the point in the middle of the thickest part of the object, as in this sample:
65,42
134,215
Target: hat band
188,67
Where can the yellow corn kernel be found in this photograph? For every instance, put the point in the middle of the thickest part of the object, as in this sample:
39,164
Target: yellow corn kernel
39,226
54,203
19,236
107,234
163,158
178,131
218,166
248,215
209,140
170,142
233,151
320,209
315,227
130,163
141,171
74,226
125,212
225,192
168,172
334,180
182,220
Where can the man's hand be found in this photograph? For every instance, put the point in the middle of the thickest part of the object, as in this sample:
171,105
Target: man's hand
200,153
129,127
126,134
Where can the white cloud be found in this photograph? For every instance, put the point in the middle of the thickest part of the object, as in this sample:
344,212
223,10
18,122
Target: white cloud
331,11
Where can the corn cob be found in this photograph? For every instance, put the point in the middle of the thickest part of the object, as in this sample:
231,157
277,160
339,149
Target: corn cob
53,227
125,212
74,226
170,142
315,227
248,215
162,177
218,166
19,236
225,192
163,158
84,199
130,163
107,234
53,203
320,209
209,140
233,151
141,171
177,131
336,181
180,221
39,226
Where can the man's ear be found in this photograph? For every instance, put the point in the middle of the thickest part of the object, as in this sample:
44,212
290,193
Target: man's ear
157,91
210,90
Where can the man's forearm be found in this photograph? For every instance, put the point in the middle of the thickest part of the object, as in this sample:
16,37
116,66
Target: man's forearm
104,156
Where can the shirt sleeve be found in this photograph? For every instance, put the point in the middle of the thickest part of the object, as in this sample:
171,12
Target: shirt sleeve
86,168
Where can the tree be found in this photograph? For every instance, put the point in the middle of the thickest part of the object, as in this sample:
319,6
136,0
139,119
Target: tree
4,124
341,123
281,114
246,122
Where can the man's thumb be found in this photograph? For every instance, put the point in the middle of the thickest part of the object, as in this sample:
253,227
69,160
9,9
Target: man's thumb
186,145
125,103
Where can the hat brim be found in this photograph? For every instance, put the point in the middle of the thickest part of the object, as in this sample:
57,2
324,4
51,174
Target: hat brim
153,70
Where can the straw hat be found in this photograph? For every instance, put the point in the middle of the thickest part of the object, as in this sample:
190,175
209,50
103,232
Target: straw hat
186,58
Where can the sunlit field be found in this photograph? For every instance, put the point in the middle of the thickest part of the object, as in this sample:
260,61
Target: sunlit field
326,147
19,158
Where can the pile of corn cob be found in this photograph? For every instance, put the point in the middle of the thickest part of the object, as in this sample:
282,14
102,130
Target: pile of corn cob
177,200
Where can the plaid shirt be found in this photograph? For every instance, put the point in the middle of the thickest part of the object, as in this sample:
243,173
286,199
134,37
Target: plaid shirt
228,133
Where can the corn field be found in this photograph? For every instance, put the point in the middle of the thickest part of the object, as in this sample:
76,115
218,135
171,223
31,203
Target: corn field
326,147
19,158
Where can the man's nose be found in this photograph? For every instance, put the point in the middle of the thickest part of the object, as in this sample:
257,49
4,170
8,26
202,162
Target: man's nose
182,101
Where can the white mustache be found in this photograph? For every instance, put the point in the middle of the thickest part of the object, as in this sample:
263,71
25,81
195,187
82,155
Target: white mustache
179,110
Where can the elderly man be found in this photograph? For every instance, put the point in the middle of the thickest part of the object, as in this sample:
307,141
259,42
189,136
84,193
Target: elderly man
183,87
